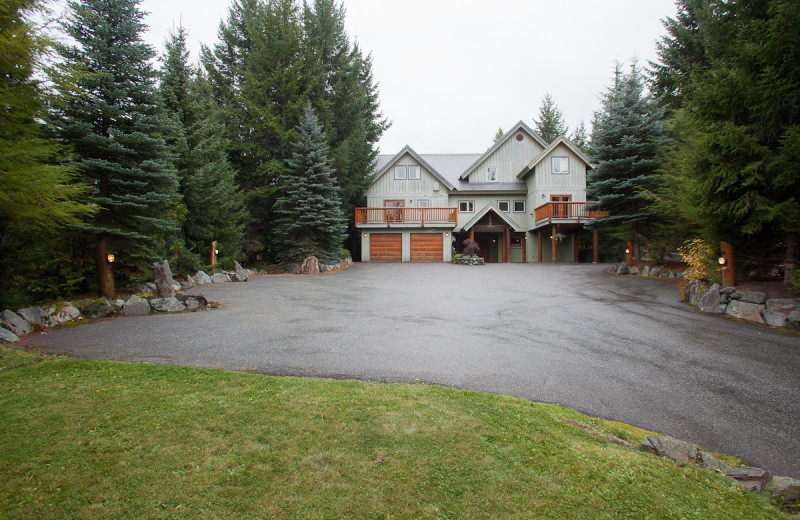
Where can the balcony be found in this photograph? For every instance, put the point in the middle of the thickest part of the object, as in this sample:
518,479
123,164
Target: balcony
417,216
565,211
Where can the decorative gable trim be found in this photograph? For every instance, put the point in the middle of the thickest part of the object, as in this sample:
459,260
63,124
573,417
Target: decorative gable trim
561,140
518,127
408,150
482,213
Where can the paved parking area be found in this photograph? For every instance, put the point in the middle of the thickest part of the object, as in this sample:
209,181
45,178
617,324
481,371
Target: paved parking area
617,347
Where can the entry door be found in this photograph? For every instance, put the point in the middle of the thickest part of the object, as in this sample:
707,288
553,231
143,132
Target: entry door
561,210
397,214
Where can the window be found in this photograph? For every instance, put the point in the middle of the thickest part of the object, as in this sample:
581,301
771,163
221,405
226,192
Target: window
516,242
423,203
491,174
519,206
560,164
399,172
466,206
503,206
413,172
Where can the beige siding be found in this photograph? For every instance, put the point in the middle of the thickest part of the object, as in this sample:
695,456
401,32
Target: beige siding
410,191
509,159
545,182
481,201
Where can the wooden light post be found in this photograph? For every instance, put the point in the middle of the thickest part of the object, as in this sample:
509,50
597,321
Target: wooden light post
728,265
629,252
214,252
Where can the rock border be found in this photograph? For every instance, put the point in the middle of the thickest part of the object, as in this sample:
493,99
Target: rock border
468,260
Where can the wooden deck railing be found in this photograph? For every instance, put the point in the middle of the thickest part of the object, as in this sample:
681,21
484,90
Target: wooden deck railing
420,216
551,210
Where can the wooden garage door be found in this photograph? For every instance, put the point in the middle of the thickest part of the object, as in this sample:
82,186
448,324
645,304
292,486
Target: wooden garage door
385,247
426,247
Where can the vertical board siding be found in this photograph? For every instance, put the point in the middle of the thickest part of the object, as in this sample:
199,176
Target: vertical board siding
410,191
509,159
481,201
544,181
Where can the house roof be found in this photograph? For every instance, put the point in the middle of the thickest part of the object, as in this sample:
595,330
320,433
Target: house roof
519,126
482,213
383,165
560,140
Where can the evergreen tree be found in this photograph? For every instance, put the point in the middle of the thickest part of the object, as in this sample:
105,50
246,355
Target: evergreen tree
626,139
37,199
112,118
199,153
580,138
498,135
311,220
550,124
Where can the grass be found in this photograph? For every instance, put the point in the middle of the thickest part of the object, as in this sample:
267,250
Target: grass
97,439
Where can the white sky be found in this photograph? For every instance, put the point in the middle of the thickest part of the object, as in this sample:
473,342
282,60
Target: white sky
451,72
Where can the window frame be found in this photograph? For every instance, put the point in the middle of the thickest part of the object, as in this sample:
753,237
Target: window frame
397,169
507,203
515,206
427,203
416,168
493,170
553,164
470,206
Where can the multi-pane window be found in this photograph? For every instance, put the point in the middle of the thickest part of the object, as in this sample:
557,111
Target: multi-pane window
413,172
503,205
519,206
560,164
423,203
400,172
491,174
466,206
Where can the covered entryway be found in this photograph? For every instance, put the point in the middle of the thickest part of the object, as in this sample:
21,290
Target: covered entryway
385,247
427,247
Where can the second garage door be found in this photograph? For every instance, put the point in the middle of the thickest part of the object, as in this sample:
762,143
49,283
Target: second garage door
385,247
426,247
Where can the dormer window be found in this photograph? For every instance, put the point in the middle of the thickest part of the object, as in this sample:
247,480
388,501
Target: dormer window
400,172
491,174
560,164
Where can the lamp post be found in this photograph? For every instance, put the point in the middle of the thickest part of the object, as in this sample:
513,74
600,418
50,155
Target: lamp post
726,261
214,253
629,252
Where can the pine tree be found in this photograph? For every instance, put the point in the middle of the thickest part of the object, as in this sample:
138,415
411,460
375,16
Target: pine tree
311,222
580,138
112,118
199,152
550,124
498,135
626,139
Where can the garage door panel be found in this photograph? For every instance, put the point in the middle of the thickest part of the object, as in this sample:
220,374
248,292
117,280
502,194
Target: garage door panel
427,247
385,247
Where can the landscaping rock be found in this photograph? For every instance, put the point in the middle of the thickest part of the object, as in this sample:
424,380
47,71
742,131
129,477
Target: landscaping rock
192,304
293,268
201,278
671,448
752,479
622,269
634,271
784,305
784,487
646,271
793,320
6,336
136,306
727,290
164,281
711,300
745,311
187,284
97,309
63,313
176,286
220,278
239,274
167,305
774,319
310,265
655,272
750,297
711,463
33,315
12,321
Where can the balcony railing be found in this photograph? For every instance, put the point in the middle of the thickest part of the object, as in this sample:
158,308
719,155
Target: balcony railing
566,210
421,216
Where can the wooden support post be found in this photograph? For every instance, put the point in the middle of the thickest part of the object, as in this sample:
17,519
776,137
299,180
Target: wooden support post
729,267
213,255
507,245
553,245
540,247
472,234
595,247
629,252
105,275
575,237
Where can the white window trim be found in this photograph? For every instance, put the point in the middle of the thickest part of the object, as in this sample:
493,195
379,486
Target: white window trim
423,203
508,206
487,174
397,170
419,173
470,206
514,207
553,165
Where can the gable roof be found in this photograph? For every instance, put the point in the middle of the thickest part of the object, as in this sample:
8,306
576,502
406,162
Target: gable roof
482,213
519,126
560,140
408,150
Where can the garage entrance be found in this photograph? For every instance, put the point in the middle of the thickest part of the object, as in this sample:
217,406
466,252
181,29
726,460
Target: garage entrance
385,247
427,247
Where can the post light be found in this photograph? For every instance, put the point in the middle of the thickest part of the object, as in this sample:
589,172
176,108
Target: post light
722,261
627,251
216,251
110,258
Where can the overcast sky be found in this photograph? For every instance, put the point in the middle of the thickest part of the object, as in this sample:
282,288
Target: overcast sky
451,72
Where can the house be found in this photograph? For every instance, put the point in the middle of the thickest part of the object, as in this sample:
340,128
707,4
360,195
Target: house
523,200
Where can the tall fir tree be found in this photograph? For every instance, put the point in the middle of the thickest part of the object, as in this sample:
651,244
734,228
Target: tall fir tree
626,140
550,124
113,120
580,138
37,198
311,222
197,140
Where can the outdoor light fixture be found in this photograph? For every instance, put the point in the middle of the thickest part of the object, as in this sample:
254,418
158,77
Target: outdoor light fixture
365,235
447,234
627,251
722,260
216,251
110,259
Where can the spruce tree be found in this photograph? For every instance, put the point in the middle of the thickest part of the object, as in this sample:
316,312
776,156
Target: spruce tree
626,139
550,124
310,220
111,117
580,139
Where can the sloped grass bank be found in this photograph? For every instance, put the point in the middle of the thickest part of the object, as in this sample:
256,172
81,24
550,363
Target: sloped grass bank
98,439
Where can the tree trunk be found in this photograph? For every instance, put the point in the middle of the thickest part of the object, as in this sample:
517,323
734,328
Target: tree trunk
637,254
790,261
105,275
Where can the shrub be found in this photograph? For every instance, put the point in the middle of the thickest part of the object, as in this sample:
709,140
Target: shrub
700,260
471,247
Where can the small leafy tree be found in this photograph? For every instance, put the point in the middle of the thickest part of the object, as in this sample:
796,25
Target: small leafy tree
471,247
699,258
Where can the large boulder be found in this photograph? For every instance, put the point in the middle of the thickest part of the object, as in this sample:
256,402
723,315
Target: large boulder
793,320
786,488
745,311
200,278
710,300
749,297
99,308
62,313
171,304
646,270
136,306
773,318
163,278
751,479
12,321
6,336
239,274
655,271
784,305
220,278
33,315
310,265
671,448
622,269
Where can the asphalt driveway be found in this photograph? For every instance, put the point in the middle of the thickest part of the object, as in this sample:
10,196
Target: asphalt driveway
616,347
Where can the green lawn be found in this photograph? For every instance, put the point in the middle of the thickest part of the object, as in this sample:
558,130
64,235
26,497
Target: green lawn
98,439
